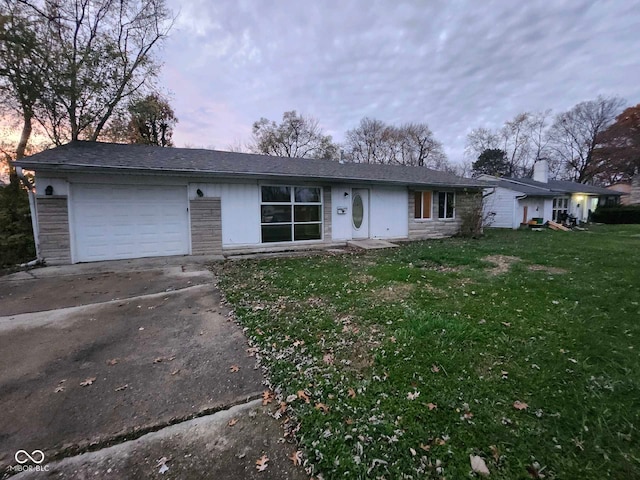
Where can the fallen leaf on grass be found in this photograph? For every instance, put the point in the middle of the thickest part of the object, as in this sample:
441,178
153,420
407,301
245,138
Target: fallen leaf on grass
327,358
440,441
283,407
435,368
267,397
518,405
535,471
413,451
122,387
296,458
234,368
112,362
424,447
352,393
495,452
413,395
251,351
478,465
59,389
506,324
88,381
232,422
261,463
432,406
302,395
322,407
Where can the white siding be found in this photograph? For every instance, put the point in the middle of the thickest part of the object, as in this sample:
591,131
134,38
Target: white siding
341,223
388,212
240,205
501,202
535,209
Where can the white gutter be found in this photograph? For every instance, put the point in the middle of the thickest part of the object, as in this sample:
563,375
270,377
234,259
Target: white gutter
32,209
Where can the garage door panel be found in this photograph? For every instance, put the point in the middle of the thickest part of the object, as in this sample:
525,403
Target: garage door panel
129,221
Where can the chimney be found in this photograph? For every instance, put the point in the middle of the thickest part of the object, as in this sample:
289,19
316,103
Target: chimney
541,171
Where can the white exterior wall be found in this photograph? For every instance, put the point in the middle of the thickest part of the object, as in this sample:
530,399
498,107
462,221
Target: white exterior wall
503,203
240,206
60,185
535,209
388,213
341,223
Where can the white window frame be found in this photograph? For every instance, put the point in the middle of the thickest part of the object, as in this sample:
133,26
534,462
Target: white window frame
292,203
453,213
422,218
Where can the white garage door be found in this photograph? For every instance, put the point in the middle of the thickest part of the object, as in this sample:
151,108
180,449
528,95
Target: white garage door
128,221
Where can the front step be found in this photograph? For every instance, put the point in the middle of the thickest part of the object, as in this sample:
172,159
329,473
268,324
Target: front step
370,244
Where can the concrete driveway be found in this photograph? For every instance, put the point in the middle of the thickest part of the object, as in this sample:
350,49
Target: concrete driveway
95,355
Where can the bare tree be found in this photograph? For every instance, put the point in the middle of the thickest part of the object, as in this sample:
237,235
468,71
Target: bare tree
296,136
574,135
515,138
95,54
367,142
413,144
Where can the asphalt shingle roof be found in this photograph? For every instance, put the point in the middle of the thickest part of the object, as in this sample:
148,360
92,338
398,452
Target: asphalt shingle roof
552,188
94,156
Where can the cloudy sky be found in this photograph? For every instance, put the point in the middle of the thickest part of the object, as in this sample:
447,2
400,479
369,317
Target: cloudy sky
455,65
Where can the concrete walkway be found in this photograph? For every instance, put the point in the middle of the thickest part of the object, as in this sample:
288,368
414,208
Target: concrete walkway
95,355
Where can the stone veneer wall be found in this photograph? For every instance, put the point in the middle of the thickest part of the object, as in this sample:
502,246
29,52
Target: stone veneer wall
206,226
53,226
435,227
634,195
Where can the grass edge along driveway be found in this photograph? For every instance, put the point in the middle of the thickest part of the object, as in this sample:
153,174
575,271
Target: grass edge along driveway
520,348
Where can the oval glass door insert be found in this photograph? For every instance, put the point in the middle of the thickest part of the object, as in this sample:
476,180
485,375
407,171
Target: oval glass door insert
358,211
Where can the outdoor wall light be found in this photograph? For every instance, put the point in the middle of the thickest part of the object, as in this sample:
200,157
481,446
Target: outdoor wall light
48,190
199,193
346,194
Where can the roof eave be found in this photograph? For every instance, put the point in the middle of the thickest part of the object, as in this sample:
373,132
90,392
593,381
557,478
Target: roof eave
76,168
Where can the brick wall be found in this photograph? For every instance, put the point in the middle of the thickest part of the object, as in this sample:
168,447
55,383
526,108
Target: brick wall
326,193
206,226
437,228
53,225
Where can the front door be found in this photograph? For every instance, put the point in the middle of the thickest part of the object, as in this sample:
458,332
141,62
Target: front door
360,213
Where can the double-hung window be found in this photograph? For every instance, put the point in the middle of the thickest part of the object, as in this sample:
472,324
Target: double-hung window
422,205
290,213
446,205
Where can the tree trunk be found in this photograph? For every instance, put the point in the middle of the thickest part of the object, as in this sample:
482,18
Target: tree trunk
24,135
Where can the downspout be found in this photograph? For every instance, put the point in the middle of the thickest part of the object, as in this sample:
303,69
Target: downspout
516,209
34,214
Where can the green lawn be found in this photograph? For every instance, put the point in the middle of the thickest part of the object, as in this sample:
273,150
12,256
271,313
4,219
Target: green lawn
412,358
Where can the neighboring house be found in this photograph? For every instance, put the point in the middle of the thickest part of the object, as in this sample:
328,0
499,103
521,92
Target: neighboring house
100,201
625,190
516,201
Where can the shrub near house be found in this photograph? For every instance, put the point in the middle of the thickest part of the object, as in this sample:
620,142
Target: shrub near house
16,237
617,214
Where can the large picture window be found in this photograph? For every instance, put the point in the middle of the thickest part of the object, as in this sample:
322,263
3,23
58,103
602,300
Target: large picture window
422,205
291,213
446,204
